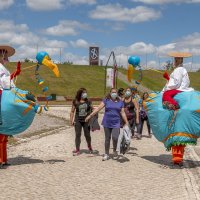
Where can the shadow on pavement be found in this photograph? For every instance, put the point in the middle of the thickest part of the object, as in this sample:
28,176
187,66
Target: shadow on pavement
86,151
122,159
22,160
52,161
133,148
166,160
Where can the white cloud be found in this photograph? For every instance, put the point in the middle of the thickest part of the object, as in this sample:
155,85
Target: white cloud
166,1
4,4
164,49
141,48
45,5
66,27
26,42
138,48
76,59
89,2
116,12
80,43
152,64
8,25
191,40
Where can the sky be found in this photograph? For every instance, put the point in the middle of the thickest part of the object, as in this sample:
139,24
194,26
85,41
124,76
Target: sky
66,28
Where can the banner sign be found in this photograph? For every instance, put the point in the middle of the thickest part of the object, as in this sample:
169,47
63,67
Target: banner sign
109,77
94,55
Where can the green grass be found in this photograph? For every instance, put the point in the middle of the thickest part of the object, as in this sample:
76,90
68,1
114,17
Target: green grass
72,78
91,77
156,82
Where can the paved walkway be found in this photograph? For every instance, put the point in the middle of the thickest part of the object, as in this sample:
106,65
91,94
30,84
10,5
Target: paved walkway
44,168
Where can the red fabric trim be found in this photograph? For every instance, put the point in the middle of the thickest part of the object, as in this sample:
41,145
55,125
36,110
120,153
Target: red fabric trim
168,96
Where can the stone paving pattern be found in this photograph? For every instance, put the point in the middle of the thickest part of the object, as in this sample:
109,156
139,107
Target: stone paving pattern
44,168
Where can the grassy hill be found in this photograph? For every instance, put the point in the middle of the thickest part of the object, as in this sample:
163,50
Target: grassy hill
156,82
91,77
72,78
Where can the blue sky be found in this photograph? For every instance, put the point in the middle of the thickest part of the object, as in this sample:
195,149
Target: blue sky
148,28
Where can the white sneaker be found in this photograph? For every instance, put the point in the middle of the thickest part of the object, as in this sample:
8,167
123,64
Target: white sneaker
105,157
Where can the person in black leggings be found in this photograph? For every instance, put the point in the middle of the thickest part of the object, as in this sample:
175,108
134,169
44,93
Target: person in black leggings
144,117
131,109
81,107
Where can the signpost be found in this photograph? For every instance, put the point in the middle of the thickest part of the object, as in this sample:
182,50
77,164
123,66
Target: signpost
94,55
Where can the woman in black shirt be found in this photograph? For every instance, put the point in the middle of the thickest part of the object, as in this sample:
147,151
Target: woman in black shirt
131,109
81,107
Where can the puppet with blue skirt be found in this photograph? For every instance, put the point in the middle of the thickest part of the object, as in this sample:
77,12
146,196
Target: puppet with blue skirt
17,107
174,113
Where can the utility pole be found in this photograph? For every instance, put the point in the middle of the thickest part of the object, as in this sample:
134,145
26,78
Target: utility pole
60,54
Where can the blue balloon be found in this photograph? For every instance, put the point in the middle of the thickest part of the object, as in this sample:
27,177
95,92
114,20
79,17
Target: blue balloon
134,60
40,56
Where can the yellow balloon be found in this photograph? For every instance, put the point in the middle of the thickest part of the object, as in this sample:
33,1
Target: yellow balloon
47,62
130,71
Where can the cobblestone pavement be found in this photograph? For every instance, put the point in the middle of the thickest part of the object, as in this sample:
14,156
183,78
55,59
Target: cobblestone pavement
44,168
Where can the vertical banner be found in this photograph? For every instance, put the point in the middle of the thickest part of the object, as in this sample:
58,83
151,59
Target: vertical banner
109,77
94,55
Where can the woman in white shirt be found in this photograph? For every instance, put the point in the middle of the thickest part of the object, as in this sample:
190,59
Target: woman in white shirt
177,82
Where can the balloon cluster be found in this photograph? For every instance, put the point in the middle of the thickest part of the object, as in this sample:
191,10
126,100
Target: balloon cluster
43,58
134,62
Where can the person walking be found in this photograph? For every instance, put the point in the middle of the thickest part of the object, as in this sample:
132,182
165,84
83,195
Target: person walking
120,93
131,108
143,116
138,99
81,108
114,109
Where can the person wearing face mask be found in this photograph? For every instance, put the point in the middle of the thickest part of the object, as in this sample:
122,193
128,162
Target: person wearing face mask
131,109
6,83
120,93
81,108
143,116
114,110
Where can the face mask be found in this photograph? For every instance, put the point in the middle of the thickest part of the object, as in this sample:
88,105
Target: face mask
127,94
84,95
113,95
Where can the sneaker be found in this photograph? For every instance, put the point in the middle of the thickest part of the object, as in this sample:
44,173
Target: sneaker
105,157
90,149
76,153
139,136
115,155
6,164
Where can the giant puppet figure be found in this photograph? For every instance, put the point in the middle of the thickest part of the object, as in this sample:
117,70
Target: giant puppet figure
174,113
17,107
6,84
